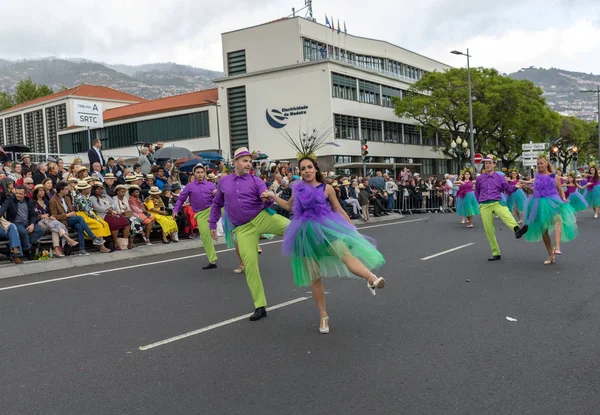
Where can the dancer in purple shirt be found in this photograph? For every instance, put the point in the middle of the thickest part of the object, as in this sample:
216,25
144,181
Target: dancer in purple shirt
250,216
200,193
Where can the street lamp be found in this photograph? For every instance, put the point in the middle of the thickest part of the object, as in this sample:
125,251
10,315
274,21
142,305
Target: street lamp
456,52
460,147
597,91
216,104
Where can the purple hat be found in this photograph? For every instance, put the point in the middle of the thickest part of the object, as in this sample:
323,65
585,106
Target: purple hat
490,157
243,151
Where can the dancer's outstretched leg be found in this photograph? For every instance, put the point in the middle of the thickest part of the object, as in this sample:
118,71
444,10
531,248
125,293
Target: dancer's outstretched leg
548,244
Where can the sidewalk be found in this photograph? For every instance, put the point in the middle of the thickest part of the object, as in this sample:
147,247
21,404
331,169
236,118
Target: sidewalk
10,270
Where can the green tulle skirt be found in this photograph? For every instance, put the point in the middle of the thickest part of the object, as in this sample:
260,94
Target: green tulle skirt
467,206
542,213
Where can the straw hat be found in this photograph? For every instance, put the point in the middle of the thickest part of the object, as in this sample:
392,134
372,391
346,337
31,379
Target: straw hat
120,186
89,179
131,178
150,176
139,175
240,152
82,168
77,160
82,185
134,187
109,176
211,176
72,180
154,190
38,186
334,184
345,183
361,186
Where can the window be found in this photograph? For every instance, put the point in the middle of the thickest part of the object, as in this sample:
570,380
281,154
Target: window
238,117
369,92
427,167
236,62
313,50
346,127
412,134
1,132
343,86
444,138
18,123
392,132
429,138
342,159
10,138
387,93
371,129
395,68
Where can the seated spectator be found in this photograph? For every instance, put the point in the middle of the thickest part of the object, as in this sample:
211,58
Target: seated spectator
147,185
49,222
72,186
19,210
85,210
105,207
345,193
48,188
9,231
7,188
82,173
27,174
161,179
139,210
109,185
121,202
155,205
16,174
53,173
40,174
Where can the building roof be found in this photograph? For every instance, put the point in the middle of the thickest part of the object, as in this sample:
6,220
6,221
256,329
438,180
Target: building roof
177,102
83,90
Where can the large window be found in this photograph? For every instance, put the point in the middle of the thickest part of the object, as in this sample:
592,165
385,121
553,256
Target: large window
1,131
429,138
369,92
236,62
395,67
313,50
346,127
343,86
444,138
427,167
342,159
387,93
392,132
371,129
412,134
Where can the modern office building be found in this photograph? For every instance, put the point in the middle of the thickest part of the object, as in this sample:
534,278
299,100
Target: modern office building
294,74
37,123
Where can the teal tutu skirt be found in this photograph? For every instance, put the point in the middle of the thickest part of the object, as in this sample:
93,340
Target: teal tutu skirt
541,213
578,202
516,201
592,197
467,206
228,227
316,249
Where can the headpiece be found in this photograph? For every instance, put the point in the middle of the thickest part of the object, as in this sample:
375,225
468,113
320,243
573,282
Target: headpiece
490,157
243,151
307,144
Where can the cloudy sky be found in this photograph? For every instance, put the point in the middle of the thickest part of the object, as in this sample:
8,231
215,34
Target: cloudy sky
505,34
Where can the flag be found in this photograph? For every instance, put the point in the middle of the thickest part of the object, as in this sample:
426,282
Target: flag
345,31
327,21
338,26
332,25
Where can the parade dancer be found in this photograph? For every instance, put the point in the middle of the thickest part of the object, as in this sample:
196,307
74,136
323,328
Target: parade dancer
321,240
200,193
241,192
466,203
546,211
488,191
516,201
592,190
575,198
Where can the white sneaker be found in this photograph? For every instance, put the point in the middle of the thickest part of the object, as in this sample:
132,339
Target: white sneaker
175,236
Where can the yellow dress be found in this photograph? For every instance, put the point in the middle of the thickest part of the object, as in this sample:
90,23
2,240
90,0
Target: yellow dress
167,223
97,225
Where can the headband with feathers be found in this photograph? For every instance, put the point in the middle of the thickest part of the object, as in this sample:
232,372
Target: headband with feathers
308,143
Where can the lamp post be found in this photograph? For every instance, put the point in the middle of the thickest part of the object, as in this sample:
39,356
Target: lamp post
456,52
597,91
459,146
216,104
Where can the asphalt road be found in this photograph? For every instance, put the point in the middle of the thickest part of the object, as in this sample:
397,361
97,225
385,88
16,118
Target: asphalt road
431,342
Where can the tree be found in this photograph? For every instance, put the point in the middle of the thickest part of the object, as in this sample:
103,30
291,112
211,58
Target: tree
6,100
573,133
506,112
27,90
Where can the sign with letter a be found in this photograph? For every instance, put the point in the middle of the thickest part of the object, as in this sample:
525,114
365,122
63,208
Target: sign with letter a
87,114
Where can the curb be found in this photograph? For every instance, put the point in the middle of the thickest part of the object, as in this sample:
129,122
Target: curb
9,270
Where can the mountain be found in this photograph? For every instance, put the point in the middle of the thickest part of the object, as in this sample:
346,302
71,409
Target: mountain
562,90
149,81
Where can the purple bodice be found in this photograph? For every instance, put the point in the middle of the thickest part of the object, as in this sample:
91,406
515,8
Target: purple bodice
513,182
570,190
310,202
545,185
464,188
591,183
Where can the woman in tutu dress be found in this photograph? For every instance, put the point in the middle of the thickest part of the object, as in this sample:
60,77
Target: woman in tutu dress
516,201
575,198
321,240
592,190
547,210
466,203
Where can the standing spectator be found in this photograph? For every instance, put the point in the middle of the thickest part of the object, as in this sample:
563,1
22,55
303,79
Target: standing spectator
391,188
144,161
377,181
95,155
363,199
19,210
40,174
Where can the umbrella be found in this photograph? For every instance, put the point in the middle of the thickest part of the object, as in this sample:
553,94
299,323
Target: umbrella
173,153
262,156
189,165
15,148
209,155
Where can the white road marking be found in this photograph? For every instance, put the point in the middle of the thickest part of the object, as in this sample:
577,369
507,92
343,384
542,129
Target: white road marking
164,261
447,252
217,325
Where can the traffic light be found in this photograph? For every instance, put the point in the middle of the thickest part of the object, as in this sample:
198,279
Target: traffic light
364,148
554,154
575,151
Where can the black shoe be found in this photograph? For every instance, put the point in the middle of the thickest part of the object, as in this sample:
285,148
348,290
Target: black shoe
29,254
259,313
495,258
210,266
519,232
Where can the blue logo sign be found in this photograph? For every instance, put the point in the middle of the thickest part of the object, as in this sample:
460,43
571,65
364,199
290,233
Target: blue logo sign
278,118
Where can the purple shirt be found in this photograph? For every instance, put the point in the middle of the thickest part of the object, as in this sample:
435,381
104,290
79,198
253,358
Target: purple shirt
241,197
489,187
199,193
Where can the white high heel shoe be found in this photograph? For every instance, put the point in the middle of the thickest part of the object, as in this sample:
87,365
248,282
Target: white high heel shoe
325,323
377,284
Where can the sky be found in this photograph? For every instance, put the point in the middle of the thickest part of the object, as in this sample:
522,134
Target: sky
504,34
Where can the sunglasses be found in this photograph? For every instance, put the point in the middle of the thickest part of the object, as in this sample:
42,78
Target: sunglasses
29,183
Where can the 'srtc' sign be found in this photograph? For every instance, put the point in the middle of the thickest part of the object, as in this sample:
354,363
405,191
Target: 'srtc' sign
87,114
278,118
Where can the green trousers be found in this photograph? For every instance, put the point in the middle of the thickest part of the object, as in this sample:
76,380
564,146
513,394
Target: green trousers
247,239
207,241
487,217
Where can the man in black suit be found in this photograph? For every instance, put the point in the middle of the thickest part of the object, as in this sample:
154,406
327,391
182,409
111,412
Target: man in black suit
95,155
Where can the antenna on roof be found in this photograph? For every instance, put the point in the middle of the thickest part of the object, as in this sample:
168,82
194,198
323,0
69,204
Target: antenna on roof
307,7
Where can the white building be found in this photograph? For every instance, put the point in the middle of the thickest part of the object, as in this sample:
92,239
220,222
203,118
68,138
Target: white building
294,73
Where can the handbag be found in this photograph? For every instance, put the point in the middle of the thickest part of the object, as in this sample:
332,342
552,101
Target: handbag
4,223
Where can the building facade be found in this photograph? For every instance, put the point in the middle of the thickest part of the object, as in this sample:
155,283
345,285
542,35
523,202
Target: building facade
292,75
